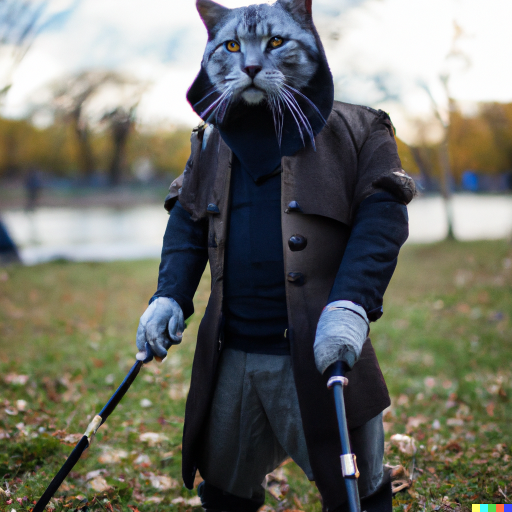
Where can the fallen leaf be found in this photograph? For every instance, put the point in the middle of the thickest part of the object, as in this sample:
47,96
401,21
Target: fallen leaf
277,484
99,484
64,486
153,438
154,499
429,382
112,456
21,405
453,446
142,460
405,444
415,421
162,483
178,391
455,422
194,502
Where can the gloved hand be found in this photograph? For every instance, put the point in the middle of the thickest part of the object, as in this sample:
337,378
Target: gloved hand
161,325
341,332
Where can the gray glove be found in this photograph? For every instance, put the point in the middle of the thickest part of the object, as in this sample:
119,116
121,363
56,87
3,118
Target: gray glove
341,332
161,325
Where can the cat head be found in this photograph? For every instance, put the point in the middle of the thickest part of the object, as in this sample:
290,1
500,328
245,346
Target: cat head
255,52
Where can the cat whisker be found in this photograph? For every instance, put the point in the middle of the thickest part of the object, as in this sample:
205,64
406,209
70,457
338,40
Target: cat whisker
214,90
291,109
306,122
277,113
216,103
307,99
222,107
294,106
280,120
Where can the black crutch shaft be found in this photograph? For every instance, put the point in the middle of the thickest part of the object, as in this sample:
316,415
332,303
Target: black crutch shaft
95,424
348,464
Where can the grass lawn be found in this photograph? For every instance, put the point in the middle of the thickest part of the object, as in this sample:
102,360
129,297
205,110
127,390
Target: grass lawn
67,339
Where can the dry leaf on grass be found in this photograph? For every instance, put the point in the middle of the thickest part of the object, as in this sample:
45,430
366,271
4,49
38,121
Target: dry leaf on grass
112,456
142,460
153,438
178,391
415,421
94,474
277,484
63,436
162,483
193,502
405,444
99,484
14,378
154,499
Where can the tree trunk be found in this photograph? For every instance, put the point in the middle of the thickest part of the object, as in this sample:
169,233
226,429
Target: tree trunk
121,123
446,186
85,154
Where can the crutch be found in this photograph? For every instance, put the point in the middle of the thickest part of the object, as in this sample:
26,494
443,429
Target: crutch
99,419
348,459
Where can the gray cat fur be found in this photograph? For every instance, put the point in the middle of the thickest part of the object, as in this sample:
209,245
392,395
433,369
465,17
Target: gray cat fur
253,27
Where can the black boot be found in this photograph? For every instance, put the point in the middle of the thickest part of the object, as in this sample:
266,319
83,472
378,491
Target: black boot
216,500
381,501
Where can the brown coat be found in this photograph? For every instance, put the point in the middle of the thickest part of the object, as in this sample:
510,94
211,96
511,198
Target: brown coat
356,156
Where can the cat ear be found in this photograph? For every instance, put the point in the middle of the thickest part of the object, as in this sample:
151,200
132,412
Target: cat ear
297,7
211,13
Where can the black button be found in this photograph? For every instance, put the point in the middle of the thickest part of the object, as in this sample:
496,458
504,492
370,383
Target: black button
213,209
296,278
297,243
293,207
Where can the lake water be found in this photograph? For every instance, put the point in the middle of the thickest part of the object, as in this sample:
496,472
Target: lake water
103,234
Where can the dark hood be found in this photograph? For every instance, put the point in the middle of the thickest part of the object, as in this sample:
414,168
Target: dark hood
249,129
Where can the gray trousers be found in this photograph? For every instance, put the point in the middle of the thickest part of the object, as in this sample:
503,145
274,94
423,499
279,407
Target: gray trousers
255,425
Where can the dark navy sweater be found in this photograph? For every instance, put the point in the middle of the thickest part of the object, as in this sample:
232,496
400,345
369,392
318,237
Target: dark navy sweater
255,316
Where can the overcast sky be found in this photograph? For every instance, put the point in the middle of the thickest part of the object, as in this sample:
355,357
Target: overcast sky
397,44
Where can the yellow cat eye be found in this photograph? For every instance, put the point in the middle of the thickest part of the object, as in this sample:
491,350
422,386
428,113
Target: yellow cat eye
276,42
233,46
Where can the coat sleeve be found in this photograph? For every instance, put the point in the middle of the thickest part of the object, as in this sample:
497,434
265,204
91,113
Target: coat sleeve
380,222
380,229
379,167
184,258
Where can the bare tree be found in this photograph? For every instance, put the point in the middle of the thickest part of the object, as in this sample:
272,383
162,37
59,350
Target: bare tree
444,155
19,26
120,123
455,54
90,98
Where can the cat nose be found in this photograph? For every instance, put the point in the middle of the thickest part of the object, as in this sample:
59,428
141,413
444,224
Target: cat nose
252,71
